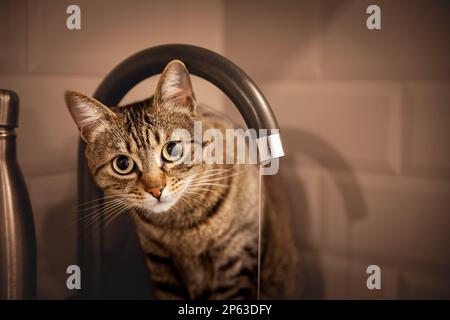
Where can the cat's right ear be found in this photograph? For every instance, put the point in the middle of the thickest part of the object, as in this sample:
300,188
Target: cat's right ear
90,115
175,86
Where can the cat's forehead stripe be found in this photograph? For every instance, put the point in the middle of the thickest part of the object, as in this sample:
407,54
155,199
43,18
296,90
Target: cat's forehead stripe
137,122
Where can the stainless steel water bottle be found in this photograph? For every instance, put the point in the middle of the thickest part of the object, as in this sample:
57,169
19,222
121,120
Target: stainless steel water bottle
17,235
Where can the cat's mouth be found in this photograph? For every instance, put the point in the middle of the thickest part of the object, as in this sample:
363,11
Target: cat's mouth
162,204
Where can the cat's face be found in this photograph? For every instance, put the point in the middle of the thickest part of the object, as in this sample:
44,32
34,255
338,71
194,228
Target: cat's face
135,152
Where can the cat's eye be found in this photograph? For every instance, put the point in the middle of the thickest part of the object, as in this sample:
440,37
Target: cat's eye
172,151
123,164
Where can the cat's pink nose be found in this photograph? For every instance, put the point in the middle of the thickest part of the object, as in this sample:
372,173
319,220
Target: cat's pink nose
156,192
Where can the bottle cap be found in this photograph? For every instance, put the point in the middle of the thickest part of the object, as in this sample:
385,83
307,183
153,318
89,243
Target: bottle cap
9,108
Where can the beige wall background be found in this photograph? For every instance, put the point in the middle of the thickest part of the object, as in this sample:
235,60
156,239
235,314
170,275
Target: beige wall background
365,117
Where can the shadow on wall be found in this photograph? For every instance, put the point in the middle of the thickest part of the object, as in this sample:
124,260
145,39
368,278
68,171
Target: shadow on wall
57,236
297,142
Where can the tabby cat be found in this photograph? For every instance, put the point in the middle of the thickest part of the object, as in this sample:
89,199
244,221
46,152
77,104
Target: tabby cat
197,223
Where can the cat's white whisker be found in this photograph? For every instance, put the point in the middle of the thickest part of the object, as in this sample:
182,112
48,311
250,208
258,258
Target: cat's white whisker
207,173
107,216
98,200
217,193
211,171
217,179
208,184
98,214
99,205
204,189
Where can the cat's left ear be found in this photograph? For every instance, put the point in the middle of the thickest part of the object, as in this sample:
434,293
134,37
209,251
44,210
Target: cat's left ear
175,86
90,115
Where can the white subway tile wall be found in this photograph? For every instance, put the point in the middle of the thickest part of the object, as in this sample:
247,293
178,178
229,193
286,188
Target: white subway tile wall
412,42
364,116
113,30
427,128
274,41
